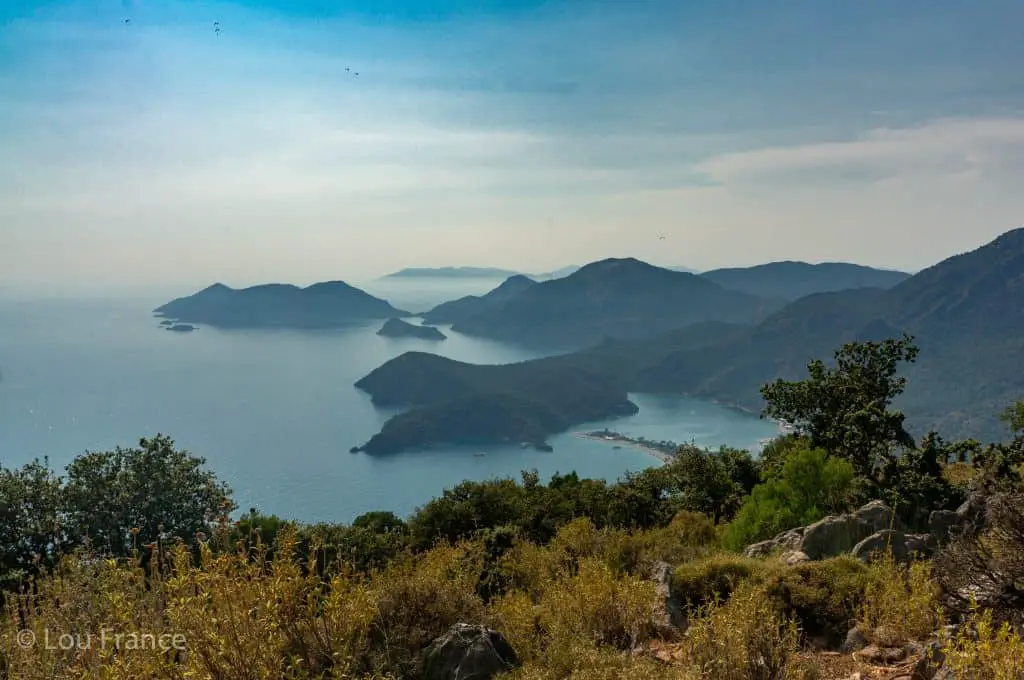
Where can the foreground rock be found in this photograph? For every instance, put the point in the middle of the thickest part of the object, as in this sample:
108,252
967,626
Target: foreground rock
863,534
468,652
670,616
830,537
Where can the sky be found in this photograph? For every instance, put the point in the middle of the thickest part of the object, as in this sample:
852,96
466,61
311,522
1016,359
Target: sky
158,154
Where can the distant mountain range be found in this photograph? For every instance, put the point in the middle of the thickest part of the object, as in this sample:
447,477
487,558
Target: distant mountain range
792,280
321,305
966,313
452,273
465,308
616,298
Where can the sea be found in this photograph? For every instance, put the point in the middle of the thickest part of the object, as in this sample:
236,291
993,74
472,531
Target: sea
275,412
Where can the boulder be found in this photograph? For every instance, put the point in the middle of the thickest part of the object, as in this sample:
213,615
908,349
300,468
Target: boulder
670,613
943,523
855,641
838,534
881,656
927,667
876,515
794,557
880,542
787,540
971,513
762,549
921,545
469,652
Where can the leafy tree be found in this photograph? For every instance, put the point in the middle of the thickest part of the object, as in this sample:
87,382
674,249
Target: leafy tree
380,522
777,451
915,481
712,483
846,409
129,497
810,485
31,535
1014,417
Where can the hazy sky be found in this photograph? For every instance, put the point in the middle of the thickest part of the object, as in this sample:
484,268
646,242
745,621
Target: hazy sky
511,133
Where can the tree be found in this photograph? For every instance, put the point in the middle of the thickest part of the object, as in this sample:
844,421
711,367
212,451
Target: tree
810,485
712,483
915,482
846,409
1014,417
31,535
130,497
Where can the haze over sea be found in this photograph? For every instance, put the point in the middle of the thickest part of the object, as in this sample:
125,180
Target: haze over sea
275,412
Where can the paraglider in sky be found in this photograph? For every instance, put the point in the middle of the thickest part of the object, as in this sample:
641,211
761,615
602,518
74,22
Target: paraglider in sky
216,27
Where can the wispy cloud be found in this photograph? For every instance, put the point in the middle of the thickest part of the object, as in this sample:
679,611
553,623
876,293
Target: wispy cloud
526,136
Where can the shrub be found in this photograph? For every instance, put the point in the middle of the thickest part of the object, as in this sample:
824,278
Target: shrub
701,581
983,650
825,597
744,639
810,485
901,602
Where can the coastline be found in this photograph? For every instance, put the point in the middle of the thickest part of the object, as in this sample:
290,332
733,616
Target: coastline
650,450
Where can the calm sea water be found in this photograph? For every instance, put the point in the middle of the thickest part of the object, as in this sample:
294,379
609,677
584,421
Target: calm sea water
275,412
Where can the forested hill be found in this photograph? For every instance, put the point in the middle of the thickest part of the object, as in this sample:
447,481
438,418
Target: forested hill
967,316
793,280
620,298
966,313
466,307
281,305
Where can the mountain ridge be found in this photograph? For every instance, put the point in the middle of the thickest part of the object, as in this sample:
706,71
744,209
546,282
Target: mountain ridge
282,305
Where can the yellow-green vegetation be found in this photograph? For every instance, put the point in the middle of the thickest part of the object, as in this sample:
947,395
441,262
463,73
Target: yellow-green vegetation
901,603
983,650
141,542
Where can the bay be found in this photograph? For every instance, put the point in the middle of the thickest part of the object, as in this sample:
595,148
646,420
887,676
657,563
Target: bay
275,412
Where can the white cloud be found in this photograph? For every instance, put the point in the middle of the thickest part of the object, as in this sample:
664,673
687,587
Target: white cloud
941,148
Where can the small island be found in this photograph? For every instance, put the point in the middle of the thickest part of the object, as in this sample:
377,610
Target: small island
397,328
331,304
181,328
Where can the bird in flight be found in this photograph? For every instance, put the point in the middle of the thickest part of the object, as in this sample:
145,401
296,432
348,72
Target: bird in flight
661,237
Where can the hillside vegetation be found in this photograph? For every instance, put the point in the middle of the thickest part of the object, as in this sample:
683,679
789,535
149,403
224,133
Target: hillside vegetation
792,280
964,313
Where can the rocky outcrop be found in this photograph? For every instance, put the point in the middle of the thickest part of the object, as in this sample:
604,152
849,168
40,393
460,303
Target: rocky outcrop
869,530
468,652
670,616
832,536
887,540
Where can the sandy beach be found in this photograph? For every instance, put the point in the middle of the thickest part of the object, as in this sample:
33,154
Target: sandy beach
660,455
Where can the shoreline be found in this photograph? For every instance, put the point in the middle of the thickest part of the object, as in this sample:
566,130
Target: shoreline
650,450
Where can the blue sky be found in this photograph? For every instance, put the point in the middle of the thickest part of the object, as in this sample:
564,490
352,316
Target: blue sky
526,135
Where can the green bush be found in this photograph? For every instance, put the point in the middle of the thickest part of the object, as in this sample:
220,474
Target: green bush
705,580
824,597
810,486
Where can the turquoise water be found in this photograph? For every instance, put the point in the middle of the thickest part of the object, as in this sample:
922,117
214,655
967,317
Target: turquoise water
275,412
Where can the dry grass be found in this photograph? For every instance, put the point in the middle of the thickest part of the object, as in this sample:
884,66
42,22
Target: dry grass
901,603
578,608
